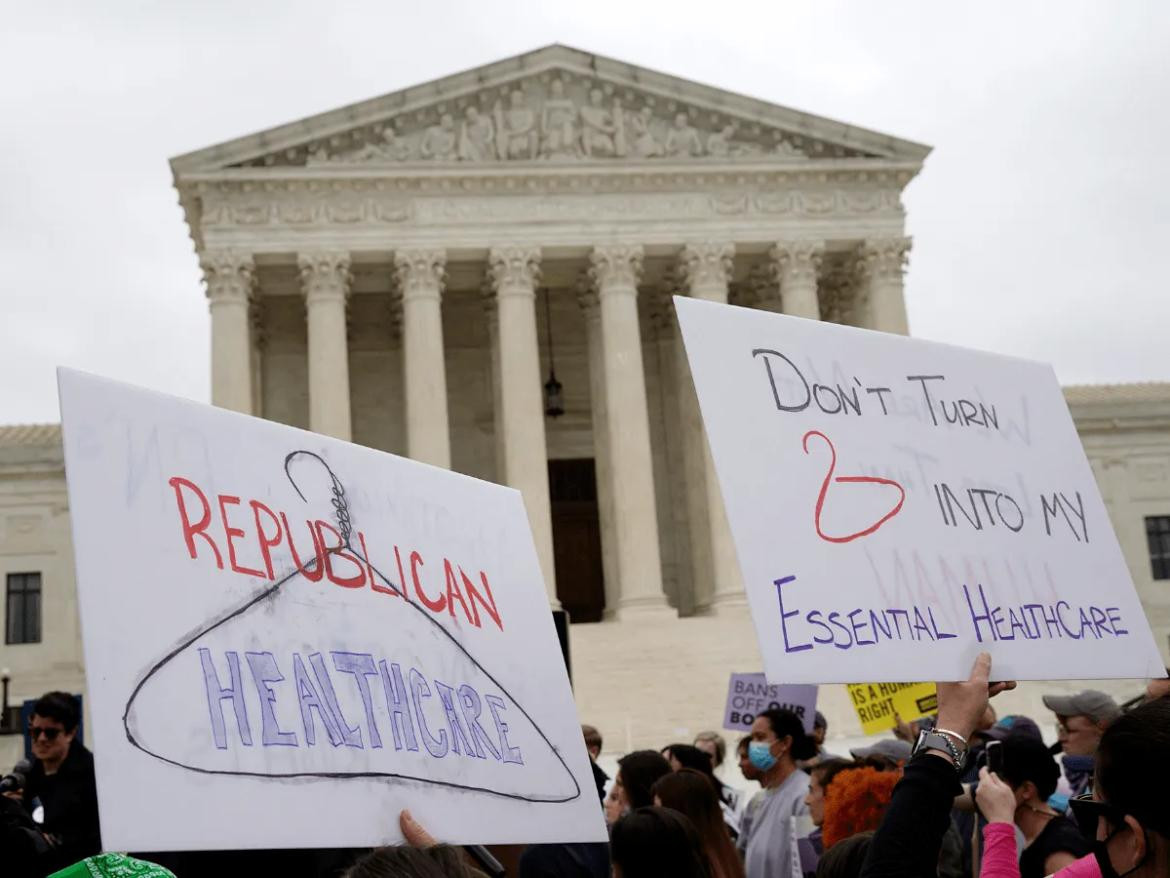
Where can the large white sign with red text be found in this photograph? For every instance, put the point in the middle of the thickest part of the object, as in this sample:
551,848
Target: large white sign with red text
899,505
289,639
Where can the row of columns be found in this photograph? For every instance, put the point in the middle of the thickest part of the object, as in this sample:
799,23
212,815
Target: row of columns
608,295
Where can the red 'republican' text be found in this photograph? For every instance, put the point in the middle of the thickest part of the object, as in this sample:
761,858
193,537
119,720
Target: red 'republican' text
215,531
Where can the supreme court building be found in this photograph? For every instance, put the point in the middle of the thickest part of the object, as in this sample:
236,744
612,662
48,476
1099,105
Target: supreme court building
477,273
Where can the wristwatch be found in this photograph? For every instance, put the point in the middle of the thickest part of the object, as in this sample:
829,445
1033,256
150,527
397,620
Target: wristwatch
931,740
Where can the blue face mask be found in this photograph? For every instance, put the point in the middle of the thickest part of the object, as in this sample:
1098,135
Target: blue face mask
760,755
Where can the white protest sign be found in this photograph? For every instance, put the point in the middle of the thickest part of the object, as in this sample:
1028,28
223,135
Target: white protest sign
899,505
289,639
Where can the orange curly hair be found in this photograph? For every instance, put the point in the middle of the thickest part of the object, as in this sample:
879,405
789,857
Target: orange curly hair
855,802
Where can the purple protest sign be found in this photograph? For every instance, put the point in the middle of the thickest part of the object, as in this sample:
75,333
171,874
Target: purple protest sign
748,694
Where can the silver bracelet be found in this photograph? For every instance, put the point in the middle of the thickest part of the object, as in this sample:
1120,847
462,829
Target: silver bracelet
955,735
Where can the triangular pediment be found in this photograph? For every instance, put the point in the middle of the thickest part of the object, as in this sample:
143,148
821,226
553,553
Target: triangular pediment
555,105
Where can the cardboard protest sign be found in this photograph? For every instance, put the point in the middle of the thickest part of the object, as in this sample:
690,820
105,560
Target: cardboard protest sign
877,703
289,638
899,505
748,694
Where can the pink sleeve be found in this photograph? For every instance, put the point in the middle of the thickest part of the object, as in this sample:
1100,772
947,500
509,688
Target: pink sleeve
999,852
1085,867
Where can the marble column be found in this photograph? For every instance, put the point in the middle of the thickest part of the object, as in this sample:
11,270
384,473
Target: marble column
491,315
514,272
615,271
591,308
880,265
796,264
259,336
706,271
230,279
325,281
421,274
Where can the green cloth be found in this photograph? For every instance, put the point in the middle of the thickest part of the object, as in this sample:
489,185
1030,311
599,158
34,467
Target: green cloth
113,866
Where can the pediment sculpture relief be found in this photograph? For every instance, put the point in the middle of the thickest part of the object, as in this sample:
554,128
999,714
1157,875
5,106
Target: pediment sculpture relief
556,118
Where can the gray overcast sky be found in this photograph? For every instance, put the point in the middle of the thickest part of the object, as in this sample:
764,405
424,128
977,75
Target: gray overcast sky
1041,221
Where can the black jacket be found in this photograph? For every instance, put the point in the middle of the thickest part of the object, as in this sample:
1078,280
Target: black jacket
69,798
908,841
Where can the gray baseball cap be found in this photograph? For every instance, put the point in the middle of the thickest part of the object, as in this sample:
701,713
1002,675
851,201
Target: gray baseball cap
1097,706
889,748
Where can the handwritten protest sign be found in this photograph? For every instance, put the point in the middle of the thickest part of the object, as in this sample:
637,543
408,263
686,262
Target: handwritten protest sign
289,638
748,694
898,506
877,703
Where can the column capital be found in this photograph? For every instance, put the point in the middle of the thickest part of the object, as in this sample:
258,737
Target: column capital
797,261
883,259
587,296
661,312
230,275
616,267
514,270
325,275
421,272
705,265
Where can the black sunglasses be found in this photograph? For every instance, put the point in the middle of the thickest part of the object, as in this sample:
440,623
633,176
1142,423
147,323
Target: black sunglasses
35,732
1087,812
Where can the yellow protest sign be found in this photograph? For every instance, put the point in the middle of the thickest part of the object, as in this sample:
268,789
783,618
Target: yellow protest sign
876,703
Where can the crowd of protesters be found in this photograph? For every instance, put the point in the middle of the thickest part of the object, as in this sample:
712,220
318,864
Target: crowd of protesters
962,795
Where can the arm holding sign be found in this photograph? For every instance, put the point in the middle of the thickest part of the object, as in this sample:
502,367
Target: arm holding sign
909,839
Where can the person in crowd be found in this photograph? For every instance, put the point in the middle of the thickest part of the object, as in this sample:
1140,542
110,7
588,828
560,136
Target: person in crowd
819,731
908,841
1001,857
968,824
593,748
1052,840
636,774
682,756
422,856
856,801
888,754
655,842
691,793
845,859
61,781
1081,721
820,776
778,741
750,773
714,745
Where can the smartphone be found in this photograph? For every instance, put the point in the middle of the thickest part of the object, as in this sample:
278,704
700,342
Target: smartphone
995,757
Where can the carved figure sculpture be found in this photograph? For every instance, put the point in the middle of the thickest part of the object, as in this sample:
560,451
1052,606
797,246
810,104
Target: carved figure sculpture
601,130
477,139
682,141
439,141
642,139
515,129
719,143
558,124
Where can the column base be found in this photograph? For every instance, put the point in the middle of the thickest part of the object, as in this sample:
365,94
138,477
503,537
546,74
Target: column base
640,608
728,604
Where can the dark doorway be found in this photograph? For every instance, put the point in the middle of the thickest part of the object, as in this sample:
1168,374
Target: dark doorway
577,538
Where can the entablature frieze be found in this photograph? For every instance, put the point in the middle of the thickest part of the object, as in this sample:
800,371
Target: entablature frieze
240,209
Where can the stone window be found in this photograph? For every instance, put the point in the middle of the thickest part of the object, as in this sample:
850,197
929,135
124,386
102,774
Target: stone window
1158,535
23,608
